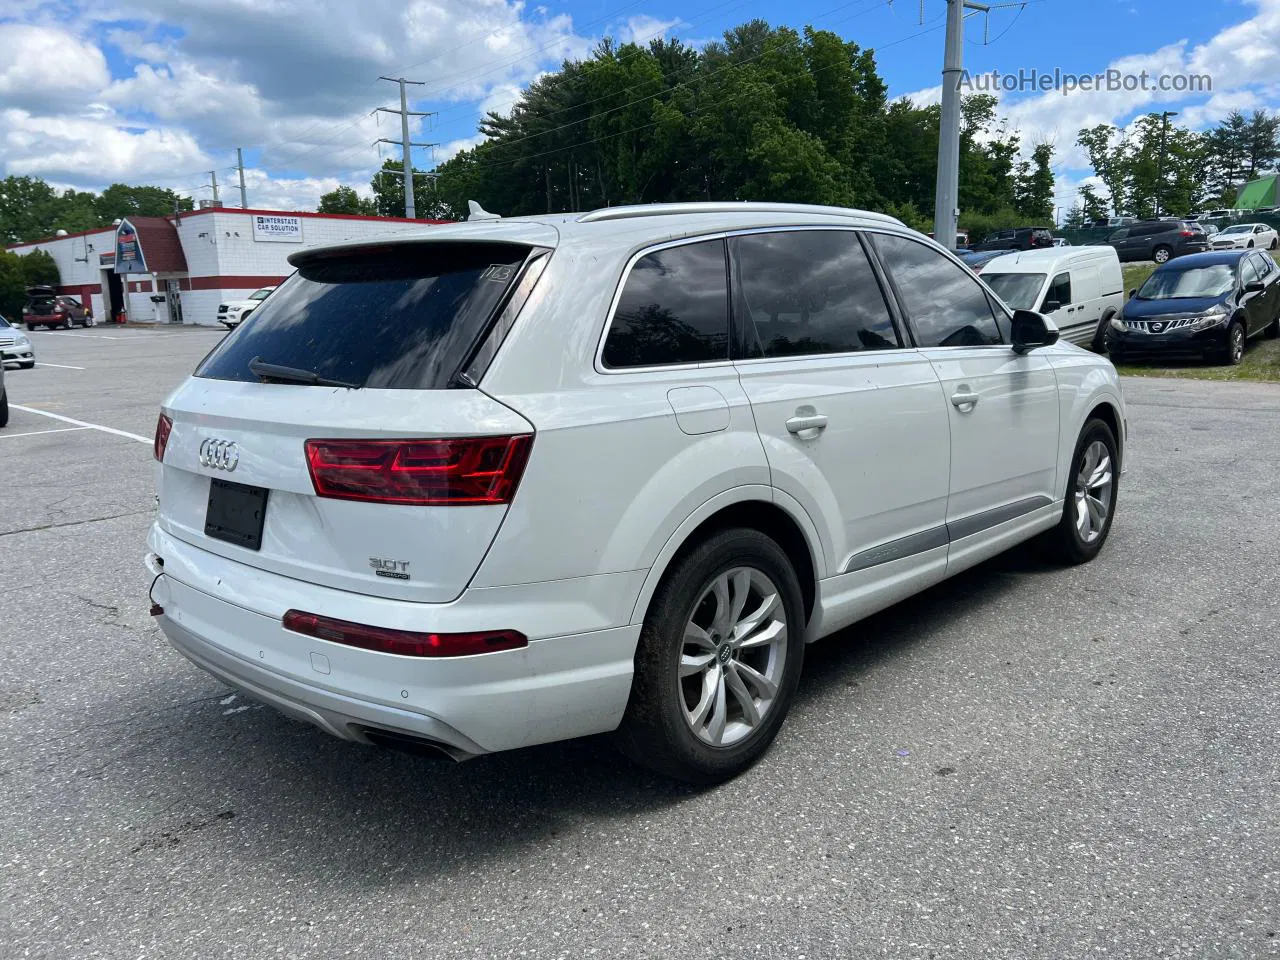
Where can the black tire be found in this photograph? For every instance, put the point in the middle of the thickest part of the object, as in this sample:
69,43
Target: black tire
31,326
1162,254
1099,344
1234,355
655,732
1064,544
4,408
1274,244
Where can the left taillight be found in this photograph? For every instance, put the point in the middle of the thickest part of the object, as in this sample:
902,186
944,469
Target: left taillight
164,426
436,473
405,643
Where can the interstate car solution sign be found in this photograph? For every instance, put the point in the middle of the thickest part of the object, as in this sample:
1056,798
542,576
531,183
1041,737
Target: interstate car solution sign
277,229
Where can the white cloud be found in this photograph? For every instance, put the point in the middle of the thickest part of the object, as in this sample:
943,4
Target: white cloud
46,68
1241,61
925,98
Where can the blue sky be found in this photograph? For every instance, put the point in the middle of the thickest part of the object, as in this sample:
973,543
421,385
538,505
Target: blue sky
164,90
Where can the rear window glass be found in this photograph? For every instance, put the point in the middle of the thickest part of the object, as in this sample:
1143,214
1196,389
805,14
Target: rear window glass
399,318
674,309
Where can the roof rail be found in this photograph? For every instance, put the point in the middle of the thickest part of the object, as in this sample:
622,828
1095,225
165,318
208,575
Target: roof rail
740,206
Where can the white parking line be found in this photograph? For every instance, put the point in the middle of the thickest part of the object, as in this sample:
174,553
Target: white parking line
64,366
83,423
87,336
37,433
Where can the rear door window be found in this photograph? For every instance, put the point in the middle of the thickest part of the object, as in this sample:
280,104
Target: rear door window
808,292
402,317
674,309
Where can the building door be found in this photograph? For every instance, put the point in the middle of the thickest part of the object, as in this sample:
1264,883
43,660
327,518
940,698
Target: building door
175,301
113,297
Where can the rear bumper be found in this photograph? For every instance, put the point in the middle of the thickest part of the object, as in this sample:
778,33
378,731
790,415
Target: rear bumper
559,687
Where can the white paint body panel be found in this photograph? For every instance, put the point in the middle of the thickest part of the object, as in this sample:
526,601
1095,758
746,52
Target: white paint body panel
625,467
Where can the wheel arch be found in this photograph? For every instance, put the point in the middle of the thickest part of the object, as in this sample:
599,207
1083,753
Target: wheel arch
1106,411
759,508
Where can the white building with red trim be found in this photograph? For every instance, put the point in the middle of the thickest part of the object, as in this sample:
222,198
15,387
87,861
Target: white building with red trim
178,269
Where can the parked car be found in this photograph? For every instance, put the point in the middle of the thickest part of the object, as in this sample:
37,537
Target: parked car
1158,240
1112,222
1021,238
977,261
47,308
1222,215
1061,242
1204,307
1081,288
500,483
1246,236
233,313
1211,230
15,346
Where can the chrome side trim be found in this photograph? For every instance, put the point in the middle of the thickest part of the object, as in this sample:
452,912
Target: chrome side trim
943,535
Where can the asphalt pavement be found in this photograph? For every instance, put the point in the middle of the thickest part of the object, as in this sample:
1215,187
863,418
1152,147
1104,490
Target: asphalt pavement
1023,762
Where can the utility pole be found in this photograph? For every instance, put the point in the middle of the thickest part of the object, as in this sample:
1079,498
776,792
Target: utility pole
946,208
213,176
244,204
406,144
1164,136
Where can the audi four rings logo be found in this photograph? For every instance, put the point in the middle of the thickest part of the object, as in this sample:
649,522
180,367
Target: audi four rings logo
219,454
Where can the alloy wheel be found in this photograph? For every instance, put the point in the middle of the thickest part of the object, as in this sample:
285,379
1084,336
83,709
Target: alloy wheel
1237,344
1094,488
733,655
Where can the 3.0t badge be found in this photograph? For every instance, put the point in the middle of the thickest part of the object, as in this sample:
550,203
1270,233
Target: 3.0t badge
219,454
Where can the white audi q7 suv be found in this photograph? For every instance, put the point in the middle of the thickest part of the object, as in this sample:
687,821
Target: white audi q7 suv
506,482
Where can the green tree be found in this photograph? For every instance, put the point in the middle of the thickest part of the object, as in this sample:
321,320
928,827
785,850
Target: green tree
13,286
1033,190
388,192
121,200
28,209
346,200
1094,207
39,269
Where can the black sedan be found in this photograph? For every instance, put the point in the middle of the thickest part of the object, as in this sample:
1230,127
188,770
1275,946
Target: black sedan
1202,306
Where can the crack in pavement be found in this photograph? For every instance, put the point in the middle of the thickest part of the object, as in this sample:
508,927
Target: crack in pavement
75,523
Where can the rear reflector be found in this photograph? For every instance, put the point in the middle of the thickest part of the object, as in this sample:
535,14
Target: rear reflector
405,643
456,472
164,426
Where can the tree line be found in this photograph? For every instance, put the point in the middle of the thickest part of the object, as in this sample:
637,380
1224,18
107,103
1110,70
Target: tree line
31,209
770,114
1158,168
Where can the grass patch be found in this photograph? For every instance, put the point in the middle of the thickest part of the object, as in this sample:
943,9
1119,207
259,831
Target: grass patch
1261,362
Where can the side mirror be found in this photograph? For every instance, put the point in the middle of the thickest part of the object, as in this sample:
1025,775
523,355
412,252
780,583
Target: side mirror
1031,330
1255,286
1133,293
1050,306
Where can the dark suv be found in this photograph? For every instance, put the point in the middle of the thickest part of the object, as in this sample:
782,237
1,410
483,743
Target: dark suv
47,308
1020,238
1159,240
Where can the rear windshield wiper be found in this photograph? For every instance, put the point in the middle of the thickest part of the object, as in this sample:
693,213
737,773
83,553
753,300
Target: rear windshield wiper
275,371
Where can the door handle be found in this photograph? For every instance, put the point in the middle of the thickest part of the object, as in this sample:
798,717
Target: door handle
813,421
963,399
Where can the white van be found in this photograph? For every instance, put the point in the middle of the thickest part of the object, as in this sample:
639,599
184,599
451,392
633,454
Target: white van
1080,288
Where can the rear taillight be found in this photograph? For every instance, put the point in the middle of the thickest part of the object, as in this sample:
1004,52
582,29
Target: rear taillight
436,473
405,643
164,426
1189,233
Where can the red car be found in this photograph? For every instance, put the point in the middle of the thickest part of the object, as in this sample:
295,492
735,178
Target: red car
45,308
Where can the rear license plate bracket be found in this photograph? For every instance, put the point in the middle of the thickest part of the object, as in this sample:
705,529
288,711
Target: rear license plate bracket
236,513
